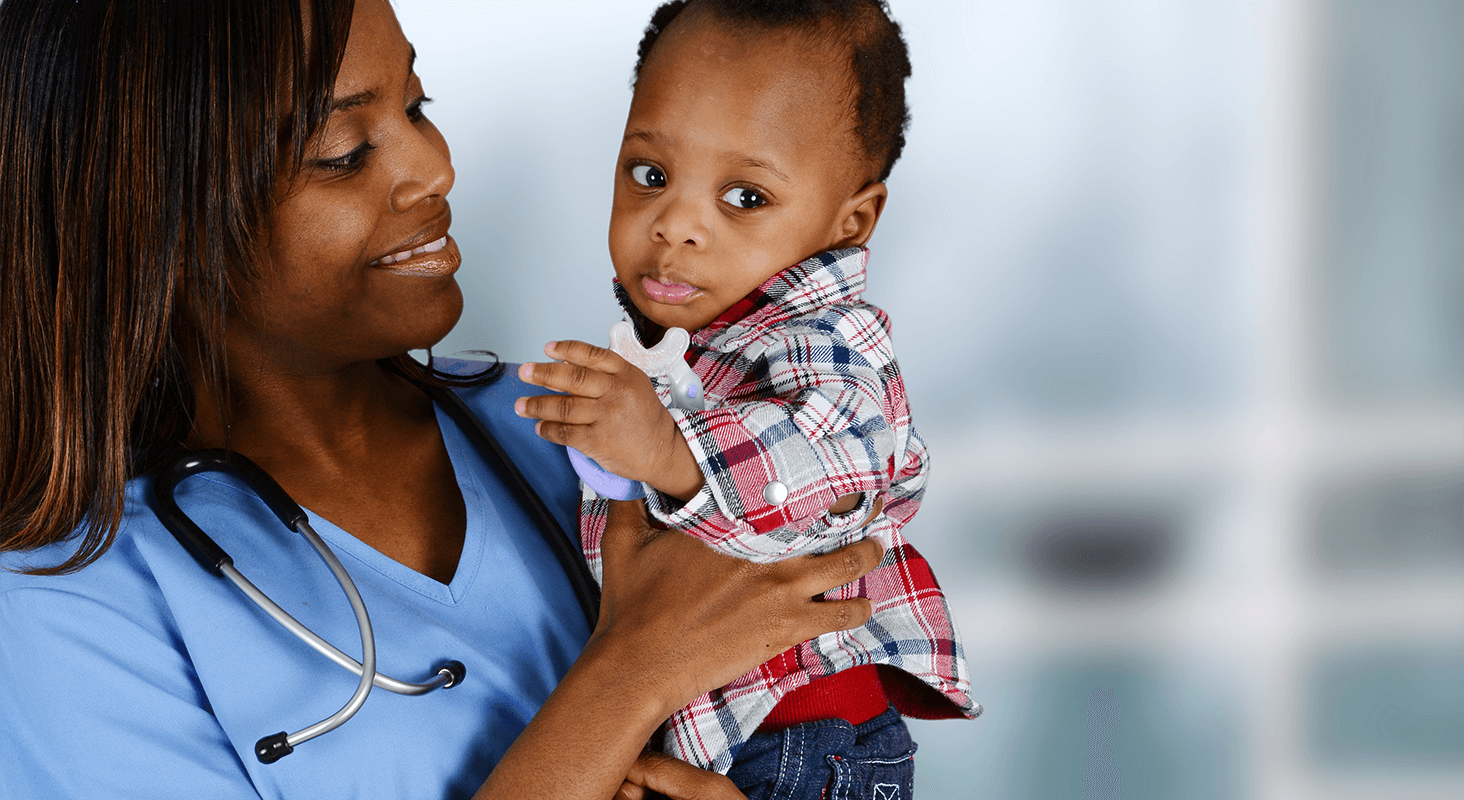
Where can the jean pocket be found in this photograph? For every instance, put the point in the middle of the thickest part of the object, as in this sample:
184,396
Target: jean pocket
876,778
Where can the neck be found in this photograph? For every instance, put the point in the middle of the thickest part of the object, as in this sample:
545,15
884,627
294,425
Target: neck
271,414
351,443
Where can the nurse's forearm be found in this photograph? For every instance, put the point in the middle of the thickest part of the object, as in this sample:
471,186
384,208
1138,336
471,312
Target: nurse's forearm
584,739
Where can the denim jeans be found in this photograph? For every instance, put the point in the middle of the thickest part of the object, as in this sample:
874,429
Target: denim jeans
829,759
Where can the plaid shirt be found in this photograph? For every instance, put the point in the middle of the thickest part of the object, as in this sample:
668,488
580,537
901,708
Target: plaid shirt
802,389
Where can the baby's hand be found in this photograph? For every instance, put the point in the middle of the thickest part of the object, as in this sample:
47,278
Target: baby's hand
610,412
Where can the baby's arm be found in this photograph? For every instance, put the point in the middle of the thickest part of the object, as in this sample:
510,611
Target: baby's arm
798,456
610,412
821,415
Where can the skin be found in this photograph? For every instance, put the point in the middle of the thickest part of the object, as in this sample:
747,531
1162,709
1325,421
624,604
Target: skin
732,168
362,448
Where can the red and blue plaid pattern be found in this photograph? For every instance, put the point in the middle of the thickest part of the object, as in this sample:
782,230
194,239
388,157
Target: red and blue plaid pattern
802,388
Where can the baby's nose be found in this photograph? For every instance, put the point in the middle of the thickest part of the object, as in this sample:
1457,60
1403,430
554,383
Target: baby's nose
681,222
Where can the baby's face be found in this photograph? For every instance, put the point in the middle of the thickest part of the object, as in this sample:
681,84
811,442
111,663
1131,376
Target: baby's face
737,163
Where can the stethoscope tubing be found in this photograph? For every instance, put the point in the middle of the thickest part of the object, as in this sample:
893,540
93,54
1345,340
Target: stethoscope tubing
443,679
213,558
367,669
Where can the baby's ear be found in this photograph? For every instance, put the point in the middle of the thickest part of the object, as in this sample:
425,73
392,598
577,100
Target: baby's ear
859,215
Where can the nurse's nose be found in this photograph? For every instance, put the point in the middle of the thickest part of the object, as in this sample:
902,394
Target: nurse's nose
426,172
681,223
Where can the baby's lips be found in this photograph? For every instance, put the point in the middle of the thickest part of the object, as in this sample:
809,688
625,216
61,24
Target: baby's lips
668,293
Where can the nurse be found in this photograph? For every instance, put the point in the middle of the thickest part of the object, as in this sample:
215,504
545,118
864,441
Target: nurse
225,224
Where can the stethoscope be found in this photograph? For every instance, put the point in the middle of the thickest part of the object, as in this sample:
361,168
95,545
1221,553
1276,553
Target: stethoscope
213,558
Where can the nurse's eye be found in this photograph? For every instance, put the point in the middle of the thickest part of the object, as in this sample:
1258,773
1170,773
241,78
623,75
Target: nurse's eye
647,175
349,162
742,197
414,111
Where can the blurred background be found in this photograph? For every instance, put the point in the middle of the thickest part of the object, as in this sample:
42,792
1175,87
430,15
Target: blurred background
1178,292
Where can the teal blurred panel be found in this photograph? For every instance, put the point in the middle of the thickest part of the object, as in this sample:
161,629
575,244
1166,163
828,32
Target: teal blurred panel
1090,729
1387,708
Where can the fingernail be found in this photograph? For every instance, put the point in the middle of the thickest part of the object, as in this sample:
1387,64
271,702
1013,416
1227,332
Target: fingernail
521,406
526,371
549,348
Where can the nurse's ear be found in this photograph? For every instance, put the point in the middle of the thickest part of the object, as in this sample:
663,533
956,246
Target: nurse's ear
859,215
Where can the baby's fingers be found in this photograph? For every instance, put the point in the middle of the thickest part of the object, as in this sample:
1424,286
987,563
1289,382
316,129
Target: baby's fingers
584,354
568,378
566,408
576,436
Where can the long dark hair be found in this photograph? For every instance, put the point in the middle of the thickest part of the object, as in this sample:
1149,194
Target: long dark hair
140,142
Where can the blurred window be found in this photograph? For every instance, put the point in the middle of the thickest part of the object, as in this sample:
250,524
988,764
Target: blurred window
1392,249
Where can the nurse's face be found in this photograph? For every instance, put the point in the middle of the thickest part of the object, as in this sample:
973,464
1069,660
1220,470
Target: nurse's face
360,263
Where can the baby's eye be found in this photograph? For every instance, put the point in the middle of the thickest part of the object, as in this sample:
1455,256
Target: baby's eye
647,175
744,198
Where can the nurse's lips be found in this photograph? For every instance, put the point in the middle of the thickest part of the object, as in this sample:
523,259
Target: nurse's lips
437,257
671,294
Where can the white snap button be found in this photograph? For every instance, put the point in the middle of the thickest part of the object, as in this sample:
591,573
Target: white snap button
775,493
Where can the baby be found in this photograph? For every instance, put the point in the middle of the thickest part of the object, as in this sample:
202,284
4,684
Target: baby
759,136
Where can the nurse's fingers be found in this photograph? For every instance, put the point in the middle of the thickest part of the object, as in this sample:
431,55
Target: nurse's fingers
682,618
675,779
629,791
820,573
828,616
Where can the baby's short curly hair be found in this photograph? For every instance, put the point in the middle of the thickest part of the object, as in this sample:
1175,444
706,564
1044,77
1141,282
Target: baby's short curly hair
878,58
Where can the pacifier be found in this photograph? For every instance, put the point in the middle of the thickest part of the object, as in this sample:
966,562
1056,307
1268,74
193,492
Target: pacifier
667,359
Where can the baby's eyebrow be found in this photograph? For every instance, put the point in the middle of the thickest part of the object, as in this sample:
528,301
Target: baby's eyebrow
641,136
758,163
739,159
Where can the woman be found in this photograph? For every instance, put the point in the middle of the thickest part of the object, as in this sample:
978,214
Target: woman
226,223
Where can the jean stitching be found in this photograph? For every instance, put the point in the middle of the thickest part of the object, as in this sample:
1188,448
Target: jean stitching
798,761
898,760
783,761
842,786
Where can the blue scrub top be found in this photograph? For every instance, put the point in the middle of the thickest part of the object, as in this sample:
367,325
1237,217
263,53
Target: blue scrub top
143,675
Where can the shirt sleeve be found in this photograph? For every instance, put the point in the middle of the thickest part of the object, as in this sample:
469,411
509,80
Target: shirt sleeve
100,701
825,417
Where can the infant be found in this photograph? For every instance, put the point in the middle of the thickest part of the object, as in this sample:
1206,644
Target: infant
750,177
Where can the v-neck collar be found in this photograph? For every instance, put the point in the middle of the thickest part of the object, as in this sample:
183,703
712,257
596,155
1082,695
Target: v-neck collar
481,513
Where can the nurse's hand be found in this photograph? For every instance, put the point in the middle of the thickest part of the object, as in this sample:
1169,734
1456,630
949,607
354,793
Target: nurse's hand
677,619
676,779
687,619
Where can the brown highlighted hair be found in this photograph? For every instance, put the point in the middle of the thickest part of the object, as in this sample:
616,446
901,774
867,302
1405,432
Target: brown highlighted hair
140,142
